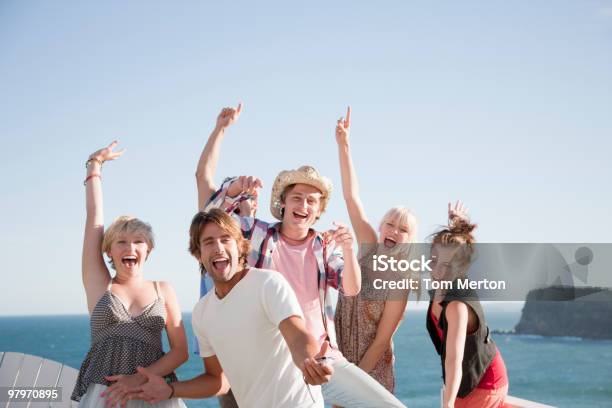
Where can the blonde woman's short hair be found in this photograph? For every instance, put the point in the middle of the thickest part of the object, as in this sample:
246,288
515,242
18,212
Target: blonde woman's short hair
403,215
126,224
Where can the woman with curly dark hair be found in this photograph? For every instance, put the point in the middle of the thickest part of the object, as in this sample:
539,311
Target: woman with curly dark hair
473,370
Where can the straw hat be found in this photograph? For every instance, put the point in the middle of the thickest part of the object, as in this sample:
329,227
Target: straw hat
304,175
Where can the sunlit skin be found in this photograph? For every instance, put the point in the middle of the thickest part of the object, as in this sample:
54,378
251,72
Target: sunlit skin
129,252
219,255
302,207
207,164
391,233
441,264
248,208
447,264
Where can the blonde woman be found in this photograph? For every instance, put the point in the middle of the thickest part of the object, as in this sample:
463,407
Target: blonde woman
365,323
127,312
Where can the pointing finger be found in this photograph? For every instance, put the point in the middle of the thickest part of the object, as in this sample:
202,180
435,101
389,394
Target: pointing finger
347,121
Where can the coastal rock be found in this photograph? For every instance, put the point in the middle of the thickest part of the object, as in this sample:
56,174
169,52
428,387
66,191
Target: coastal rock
568,311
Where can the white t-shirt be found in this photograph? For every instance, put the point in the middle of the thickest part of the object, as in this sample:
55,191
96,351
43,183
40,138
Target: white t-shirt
242,331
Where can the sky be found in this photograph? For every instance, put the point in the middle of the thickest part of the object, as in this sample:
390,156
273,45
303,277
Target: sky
505,105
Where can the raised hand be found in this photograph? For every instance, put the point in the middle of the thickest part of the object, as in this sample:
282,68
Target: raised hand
315,369
106,153
245,184
459,210
343,128
341,236
228,116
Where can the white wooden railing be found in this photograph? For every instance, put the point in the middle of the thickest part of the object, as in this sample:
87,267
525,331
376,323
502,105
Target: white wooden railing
18,370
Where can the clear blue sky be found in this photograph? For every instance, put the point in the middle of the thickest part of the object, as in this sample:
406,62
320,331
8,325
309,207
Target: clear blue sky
506,105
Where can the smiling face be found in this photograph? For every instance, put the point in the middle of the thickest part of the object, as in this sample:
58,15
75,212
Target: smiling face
449,261
127,242
301,205
218,253
398,226
247,208
394,232
129,251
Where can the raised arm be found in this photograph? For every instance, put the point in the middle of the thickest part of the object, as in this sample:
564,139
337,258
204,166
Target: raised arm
365,233
95,274
207,165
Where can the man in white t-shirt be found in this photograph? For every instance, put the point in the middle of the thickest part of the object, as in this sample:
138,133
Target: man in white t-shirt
250,329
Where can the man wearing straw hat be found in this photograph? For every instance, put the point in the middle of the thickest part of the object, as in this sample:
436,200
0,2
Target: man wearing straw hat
311,261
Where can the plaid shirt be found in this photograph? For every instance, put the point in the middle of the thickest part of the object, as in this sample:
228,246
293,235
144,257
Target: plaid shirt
264,236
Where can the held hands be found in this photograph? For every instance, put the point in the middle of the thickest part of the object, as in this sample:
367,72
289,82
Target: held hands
123,385
341,235
155,389
459,210
228,116
245,184
343,129
106,153
315,370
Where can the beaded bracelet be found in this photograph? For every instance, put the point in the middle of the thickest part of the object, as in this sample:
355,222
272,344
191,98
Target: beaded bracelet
92,159
90,177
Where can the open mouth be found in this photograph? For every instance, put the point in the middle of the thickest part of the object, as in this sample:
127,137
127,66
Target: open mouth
389,243
129,261
299,215
220,264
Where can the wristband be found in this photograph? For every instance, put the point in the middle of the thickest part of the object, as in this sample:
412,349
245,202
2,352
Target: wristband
92,159
90,177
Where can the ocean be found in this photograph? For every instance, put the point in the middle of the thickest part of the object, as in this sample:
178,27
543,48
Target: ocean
564,372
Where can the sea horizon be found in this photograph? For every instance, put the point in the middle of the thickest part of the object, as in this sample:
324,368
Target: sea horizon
559,371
